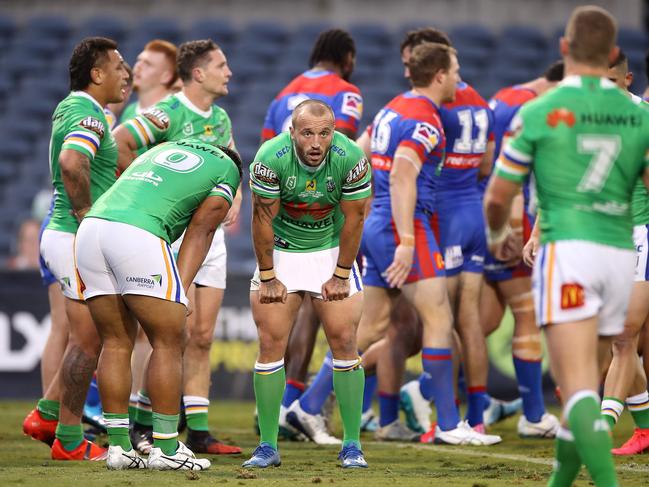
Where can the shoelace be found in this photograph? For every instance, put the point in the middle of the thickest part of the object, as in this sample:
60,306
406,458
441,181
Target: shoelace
350,451
263,451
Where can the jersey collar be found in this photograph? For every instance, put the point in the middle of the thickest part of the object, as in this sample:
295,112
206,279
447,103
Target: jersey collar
84,94
185,101
576,81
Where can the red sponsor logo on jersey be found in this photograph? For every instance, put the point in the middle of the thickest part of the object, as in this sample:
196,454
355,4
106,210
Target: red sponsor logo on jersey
427,135
572,296
352,105
558,115
439,260
314,210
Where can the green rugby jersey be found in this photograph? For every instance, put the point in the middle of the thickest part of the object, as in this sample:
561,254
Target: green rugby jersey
640,198
130,111
79,124
162,188
586,142
176,118
310,218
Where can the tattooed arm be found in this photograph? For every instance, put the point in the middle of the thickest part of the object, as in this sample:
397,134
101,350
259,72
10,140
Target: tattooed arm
264,210
75,172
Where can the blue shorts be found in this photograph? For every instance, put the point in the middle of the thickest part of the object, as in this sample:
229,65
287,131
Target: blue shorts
46,275
380,240
462,237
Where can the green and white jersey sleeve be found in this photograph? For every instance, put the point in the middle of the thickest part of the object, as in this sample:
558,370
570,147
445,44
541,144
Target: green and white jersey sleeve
79,124
162,188
175,118
309,218
586,142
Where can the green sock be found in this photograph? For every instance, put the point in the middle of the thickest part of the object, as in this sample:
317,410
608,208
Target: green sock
639,408
143,415
612,409
70,435
165,432
567,462
592,437
49,409
349,381
117,428
196,412
269,381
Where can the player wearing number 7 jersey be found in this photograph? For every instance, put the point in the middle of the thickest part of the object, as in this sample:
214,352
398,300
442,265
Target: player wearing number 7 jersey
586,143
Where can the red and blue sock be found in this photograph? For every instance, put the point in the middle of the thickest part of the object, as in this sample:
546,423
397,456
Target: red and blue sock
388,408
529,376
317,393
436,383
293,391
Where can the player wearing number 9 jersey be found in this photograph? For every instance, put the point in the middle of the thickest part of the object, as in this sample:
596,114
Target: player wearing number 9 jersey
587,144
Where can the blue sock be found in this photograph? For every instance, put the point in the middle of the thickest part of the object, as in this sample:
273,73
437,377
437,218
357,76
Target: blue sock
293,391
317,393
478,400
388,408
368,393
438,385
528,374
92,399
462,390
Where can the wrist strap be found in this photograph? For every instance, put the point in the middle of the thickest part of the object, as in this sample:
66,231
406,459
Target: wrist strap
266,275
342,272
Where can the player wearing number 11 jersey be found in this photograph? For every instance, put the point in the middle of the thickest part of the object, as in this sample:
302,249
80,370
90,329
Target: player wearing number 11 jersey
587,144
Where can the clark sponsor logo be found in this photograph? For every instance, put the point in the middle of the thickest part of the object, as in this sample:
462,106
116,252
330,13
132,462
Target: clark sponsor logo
158,118
264,174
572,296
146,282
352,105
94,125
561,115
358,172
426,134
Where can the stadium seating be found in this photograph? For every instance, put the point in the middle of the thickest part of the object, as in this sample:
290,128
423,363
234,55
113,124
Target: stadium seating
263,55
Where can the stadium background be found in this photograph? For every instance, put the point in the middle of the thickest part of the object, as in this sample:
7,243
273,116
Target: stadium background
500,42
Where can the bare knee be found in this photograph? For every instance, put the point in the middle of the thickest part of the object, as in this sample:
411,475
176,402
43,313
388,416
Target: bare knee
343,342
201,340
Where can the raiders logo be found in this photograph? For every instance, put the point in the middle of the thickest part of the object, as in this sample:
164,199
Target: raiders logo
90,123
158,118
358,172
264,174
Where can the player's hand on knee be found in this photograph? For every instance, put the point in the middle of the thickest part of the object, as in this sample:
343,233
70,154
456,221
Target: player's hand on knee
511,250
530,250
273,291
335,289
399,270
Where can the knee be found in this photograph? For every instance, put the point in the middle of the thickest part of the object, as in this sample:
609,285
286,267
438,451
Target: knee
89,343
343,341
624,345
171,339
271,341
201,340
527,347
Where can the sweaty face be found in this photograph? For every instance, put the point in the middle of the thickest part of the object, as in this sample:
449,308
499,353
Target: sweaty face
216,74
149,70
312,136
114,77
452,78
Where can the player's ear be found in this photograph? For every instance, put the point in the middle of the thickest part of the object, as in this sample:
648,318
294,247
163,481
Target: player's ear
198,75
628,79
96,75
563,46
613,55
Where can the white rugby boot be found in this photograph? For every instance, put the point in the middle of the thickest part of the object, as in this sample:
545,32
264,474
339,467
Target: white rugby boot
183,459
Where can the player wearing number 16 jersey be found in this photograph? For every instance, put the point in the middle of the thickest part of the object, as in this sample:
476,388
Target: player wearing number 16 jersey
587,144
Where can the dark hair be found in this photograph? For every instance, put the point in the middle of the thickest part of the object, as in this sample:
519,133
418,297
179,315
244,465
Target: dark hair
90,53
426,34
170,52
426,60
192,54
554,72
619,60
334,46
234,155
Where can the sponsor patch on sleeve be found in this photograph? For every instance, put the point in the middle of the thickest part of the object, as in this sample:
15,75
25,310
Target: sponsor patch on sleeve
352,105
358,172
94,125
264,174
158,118
427,135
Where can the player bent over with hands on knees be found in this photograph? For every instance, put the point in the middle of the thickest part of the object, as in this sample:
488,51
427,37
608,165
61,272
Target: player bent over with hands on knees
128,273
309,189
584,197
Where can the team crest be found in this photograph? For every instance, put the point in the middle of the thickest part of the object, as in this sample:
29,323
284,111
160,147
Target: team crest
290,183
331,185
427,135
352,105
187,128
310,185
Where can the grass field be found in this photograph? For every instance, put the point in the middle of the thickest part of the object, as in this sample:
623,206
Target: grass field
25,462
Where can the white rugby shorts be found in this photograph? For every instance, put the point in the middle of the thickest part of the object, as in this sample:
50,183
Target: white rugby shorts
213,270
117,258
642,250
57,250
308,271
574,280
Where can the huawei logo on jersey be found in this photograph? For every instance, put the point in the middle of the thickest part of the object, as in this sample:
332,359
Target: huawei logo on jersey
315,210
558,115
